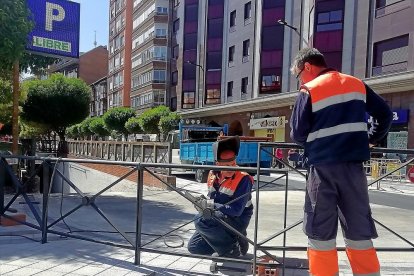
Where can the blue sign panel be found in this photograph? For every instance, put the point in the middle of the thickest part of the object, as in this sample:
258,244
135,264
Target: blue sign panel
400,116
56,30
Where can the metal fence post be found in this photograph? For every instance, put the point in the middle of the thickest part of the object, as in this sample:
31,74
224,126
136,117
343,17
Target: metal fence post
46,188
2,185
138,228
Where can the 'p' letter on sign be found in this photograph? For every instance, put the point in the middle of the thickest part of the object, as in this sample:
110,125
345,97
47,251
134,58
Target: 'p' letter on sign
56,28
51,15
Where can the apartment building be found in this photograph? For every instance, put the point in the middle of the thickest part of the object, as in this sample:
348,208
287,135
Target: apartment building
231,58
150,59
90,67
120,41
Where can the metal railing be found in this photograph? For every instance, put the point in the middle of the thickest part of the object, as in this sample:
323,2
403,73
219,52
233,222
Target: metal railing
50,167
389,68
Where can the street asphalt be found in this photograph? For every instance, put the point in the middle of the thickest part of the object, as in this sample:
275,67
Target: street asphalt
21,252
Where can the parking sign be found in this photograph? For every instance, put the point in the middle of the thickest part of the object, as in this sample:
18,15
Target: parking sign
56,30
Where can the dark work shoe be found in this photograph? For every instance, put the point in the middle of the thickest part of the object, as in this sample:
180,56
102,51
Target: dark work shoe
244,246
233,253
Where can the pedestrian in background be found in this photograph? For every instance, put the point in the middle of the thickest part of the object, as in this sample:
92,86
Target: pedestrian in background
329,120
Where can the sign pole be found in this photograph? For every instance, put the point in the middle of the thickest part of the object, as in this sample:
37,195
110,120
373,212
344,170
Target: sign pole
15,119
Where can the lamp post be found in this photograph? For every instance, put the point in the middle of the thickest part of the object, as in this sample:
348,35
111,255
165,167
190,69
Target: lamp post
284,23
202,90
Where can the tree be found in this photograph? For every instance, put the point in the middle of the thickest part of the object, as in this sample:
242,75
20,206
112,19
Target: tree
169,122
6,102
97,126
132,125
73,131
116,118
85,127
150,118
14,28
57,102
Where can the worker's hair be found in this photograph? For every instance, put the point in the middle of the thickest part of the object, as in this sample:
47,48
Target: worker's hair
311,55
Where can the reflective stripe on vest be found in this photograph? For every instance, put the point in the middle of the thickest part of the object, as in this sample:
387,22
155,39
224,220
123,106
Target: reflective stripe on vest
343,128
336,99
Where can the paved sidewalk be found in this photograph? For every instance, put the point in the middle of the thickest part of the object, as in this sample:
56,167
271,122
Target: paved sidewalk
163,211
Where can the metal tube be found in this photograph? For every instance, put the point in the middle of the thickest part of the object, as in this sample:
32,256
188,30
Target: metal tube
256,212
46,183
138,228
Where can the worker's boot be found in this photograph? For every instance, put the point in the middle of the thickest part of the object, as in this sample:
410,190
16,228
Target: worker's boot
244,246
233,253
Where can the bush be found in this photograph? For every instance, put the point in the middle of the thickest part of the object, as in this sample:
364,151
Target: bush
116,118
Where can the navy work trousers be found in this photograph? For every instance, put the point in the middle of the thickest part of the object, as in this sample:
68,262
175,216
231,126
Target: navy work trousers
211,236
338,190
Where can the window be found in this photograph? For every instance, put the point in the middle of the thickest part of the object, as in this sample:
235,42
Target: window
244,83
232,19
213,95
162,10
160,33
384,7
175,52
390,55
247,10
329,21
159,76
246,50
176,25
143,16
188,99
174,78
270,83
230,89
232,49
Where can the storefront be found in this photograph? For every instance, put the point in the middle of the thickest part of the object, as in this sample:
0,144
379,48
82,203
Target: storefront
274,127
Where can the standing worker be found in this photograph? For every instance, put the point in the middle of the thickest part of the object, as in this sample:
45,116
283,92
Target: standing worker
329,120
211,237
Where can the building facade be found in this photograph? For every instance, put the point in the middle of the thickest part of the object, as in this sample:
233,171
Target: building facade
232,57
99,98
149,53
138,53
90,67
119,66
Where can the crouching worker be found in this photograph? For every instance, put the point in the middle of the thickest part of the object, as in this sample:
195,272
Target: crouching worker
211,237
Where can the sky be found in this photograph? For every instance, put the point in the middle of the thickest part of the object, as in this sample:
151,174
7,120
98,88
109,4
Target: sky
94,17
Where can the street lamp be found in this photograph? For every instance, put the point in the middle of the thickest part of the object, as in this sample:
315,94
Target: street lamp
284,23
202,69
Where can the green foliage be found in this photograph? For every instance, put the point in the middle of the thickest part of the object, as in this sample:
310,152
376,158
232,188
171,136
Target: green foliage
57,102
6,104
169,122
132,125
116,118
14,28
150,119
32,130
73,131
85,127
97,126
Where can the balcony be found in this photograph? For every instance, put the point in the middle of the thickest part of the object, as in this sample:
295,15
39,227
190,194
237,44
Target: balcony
389,68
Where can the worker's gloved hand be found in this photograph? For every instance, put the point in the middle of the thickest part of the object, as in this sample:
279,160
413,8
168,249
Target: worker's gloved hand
206,203
197,203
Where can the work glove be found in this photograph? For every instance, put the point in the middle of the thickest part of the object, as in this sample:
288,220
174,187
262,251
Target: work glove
205,207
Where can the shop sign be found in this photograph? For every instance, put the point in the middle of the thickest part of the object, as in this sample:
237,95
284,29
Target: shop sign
264,123
56,28
399,116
